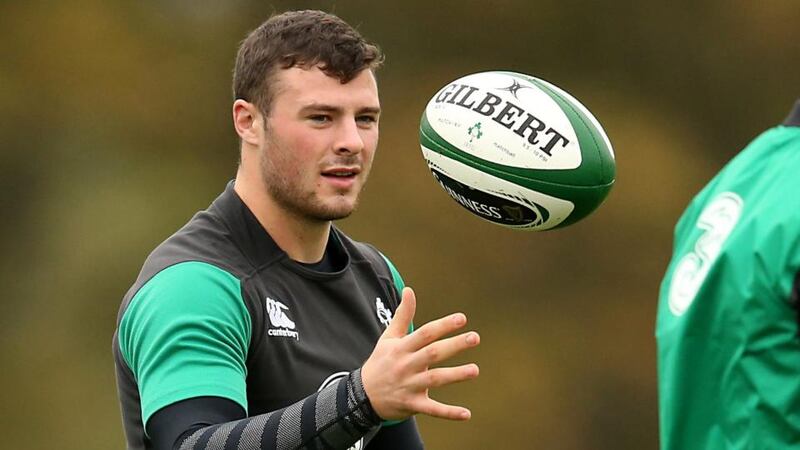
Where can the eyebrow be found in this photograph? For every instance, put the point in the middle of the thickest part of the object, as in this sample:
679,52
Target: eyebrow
336,109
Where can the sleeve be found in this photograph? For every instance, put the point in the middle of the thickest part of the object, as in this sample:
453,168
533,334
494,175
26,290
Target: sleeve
399,284
171,425
334,418
185,334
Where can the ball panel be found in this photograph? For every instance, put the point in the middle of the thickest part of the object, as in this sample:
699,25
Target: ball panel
584,110
505,120
583,176
594,143
499,201
584,199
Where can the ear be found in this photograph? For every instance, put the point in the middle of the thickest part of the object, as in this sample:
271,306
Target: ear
248,122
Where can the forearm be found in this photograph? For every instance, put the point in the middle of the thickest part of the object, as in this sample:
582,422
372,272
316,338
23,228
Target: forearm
334,418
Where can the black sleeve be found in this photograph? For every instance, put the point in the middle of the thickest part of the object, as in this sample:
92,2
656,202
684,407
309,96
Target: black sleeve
403,436
333,418
169,426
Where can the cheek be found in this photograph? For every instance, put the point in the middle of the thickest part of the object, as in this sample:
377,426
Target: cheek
302,142
295,150
370,140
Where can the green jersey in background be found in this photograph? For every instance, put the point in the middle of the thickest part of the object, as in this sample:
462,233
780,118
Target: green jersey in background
727,326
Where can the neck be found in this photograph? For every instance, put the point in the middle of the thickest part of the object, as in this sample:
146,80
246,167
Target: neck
302,239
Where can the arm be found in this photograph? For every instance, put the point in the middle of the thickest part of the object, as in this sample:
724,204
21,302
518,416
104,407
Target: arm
194,344
334,418
185,335
173,425
342,413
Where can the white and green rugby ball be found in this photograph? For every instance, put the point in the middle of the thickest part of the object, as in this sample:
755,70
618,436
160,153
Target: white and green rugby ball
516,150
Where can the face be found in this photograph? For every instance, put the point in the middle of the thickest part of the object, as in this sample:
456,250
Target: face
320,138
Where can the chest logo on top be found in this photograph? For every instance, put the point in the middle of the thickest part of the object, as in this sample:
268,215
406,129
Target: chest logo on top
280,323
384,314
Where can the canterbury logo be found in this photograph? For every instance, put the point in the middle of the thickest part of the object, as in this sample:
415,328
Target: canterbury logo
282,325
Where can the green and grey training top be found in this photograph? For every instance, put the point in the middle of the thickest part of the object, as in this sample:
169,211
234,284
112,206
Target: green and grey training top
219,310
727,328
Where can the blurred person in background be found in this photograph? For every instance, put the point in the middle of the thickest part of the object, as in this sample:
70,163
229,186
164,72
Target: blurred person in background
727,325
259,324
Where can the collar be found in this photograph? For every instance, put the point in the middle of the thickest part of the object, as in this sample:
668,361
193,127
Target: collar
794,117
253,240
244,228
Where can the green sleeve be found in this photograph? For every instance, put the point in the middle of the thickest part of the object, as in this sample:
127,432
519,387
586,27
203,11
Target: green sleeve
399,284
185,334
396,278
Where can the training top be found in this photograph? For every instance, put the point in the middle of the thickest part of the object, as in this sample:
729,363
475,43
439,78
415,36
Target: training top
727,325
220,310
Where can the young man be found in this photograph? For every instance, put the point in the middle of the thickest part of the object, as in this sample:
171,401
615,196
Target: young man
260,325
727,327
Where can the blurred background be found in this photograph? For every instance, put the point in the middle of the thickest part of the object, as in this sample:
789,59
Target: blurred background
115,128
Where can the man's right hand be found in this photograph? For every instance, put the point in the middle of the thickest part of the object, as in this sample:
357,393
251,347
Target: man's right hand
398,373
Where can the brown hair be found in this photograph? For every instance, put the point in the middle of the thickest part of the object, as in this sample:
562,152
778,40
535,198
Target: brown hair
303,39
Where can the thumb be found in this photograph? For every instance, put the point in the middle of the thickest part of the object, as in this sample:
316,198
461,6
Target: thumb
403,315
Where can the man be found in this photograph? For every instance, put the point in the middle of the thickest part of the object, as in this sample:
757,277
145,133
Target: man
259,325
727,327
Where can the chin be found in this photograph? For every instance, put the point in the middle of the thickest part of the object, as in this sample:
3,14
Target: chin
340,213
328,215
336,211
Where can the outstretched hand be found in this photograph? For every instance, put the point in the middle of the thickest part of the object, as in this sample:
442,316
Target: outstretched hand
398,374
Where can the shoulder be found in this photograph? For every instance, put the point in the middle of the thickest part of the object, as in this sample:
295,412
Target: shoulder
183,280
184,292
185,302
203,238
362,252
186,329
365,253
195,249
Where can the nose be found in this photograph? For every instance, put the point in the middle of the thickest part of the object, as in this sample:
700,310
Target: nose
349,140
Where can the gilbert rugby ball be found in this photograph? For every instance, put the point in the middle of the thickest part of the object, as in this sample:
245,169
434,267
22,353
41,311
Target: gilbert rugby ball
516,150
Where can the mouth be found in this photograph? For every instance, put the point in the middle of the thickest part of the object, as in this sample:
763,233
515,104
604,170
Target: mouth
341,172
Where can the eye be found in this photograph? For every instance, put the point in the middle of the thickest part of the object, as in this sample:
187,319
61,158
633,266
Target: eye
367,120
319,118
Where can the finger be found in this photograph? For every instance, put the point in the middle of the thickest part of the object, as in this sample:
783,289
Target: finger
447,375
444,349
433,408
434,330
403,315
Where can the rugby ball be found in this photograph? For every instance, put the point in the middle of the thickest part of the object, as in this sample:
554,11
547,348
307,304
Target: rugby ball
516,150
